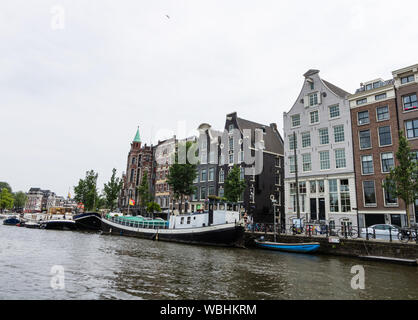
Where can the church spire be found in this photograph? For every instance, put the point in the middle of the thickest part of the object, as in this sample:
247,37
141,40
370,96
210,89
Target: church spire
137,137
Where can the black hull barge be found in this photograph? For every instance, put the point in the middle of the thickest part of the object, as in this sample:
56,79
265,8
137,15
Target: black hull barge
88,221
217,227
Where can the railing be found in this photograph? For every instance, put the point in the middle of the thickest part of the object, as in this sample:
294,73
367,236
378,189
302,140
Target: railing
136,224
343,232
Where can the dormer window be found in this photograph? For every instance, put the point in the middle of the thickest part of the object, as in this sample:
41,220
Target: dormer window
369,86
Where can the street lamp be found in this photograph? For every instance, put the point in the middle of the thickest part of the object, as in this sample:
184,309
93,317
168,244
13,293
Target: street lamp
274,201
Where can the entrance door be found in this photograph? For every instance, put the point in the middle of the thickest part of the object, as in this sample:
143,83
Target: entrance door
321,208
314,212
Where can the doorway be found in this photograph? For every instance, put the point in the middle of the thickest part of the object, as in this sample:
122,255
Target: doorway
321,208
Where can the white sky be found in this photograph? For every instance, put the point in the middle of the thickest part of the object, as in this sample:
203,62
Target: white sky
71,99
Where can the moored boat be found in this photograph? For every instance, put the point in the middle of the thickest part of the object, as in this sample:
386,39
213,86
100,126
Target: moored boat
309,247
88,221
11,221
220,226
58,222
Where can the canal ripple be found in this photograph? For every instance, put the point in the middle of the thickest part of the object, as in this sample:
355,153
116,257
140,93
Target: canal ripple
107,267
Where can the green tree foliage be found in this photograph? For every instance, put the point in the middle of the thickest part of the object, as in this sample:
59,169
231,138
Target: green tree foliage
182,173
5,185
143,191
86,191
234,186
20,199
153,207
402,181
6,199
111,190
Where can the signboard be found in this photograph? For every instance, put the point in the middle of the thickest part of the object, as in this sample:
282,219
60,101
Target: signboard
334,240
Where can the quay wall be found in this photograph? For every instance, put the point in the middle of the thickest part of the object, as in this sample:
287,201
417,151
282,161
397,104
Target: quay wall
345,247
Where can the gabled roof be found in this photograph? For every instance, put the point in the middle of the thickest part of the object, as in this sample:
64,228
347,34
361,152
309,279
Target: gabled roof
338,91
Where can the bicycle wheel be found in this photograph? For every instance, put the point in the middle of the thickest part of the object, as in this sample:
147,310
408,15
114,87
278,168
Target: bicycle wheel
353,233
403,237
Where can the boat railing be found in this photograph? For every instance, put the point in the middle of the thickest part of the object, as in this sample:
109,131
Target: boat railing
140,225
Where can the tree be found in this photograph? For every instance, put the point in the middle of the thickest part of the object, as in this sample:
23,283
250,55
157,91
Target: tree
86,191
6,199
5,185
153,207
402,181
234,186
181,174
143,191
20,199
111,190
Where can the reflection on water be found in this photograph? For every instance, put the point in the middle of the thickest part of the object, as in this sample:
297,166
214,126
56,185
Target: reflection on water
108,267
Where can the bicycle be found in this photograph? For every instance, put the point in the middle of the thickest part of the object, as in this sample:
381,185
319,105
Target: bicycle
296,230
406,235
351,233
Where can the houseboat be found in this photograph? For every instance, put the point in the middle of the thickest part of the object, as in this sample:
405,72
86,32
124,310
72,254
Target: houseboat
221,225
88,221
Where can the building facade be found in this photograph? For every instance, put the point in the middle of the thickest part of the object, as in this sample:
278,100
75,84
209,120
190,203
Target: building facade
406,84
375,143
140,160
258,150
318,144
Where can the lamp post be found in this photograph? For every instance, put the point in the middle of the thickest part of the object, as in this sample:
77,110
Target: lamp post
274,201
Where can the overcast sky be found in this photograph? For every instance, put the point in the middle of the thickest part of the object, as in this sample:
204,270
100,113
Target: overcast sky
71,98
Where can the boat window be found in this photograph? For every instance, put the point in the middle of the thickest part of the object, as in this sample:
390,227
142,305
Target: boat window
182,220
188,220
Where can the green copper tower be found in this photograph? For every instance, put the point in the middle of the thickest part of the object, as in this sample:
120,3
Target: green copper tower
137,137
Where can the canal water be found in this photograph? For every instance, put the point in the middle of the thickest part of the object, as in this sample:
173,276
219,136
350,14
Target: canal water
110,267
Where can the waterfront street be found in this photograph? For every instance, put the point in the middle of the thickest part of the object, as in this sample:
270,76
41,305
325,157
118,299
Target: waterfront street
111,267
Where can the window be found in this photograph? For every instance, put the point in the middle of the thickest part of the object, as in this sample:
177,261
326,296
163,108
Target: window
196,180
221,176
333,195
339,133
380,96
369,193
293,142
204,143
211,191
211,174
411,128
410,102
340,158
369,86
321,186
203,175
387,161
362,101
196,194
407,79
385,138
133,160
312,86
345,196
212,157
203,157
221,192
202,193
313,99
324,160
367,165
414,156
231,128
334,111
363,117
306,139
241,156
241,173
382,113
277,162
296,120
365,140
231,158
188,220
306,162
314,115
312,184
231,143
323,136
292,164
390,199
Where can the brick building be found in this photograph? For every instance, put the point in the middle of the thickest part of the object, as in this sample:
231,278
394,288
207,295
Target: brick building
375,142
406,84
140,159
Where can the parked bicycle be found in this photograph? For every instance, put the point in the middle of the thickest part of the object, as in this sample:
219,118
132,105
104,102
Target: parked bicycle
348,232
406,235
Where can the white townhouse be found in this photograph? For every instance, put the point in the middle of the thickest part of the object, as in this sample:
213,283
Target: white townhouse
321,120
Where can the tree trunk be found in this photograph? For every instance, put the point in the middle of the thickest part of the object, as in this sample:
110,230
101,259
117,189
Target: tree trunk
181,204
407,215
